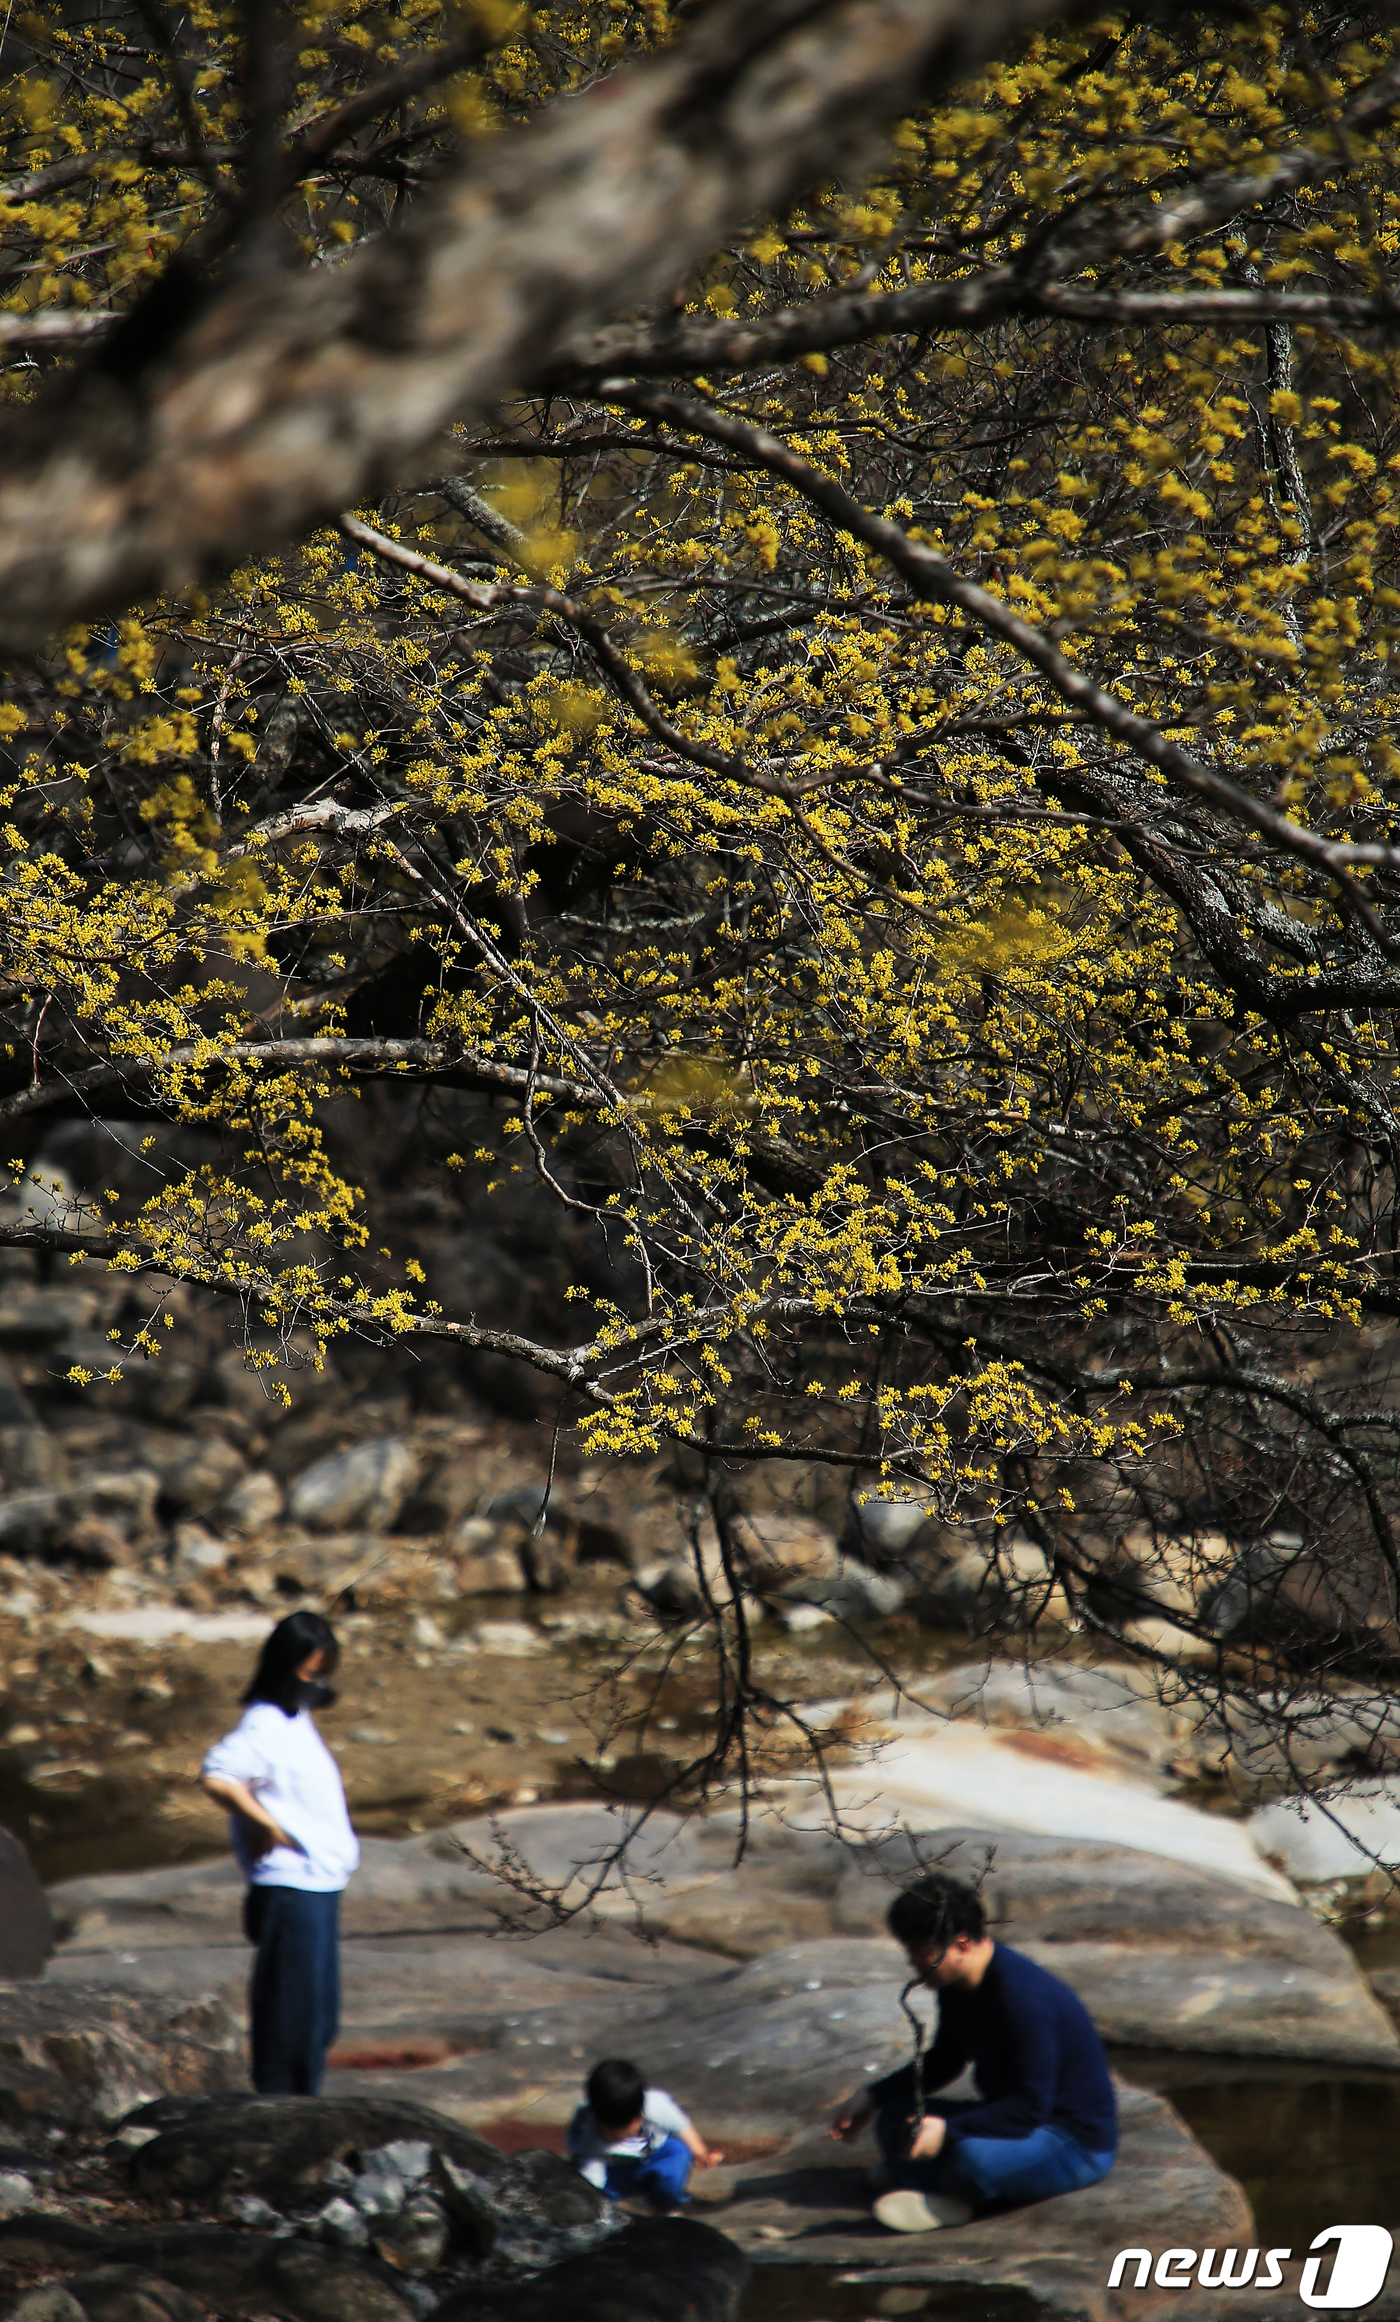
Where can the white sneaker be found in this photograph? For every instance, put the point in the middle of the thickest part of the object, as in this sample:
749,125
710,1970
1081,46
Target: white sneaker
908,2212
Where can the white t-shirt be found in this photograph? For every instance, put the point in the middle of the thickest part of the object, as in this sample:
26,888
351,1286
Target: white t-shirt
591,2148
289,1770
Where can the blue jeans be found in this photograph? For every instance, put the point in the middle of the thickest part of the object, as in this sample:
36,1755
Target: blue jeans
662,2175
989,2170
296,1986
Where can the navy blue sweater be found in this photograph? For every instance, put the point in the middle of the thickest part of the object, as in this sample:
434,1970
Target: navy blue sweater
1037,2057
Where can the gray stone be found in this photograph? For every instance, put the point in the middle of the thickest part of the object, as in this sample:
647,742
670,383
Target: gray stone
958,1588
882,1531
31,1459
467,2203
194,1482
379,2192
670,1587
274,2145
254,1503
342,2224
195,1550
365,1487
50,2303
417,2238
83,2057
855,1593
1109,1706
248,2209
31,1319
485,1570
26,1922
408,2157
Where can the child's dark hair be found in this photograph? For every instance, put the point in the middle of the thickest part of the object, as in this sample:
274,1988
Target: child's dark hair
936,1909
615,2092
289,1647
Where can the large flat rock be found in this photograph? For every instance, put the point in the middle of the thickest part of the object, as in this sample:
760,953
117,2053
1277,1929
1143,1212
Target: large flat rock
929,1770
1165,1955
1344,1836
808,2206
1162,1955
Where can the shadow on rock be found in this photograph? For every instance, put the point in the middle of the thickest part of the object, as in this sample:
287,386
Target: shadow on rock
655,2270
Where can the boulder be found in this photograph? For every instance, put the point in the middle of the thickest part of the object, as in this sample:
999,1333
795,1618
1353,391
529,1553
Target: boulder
934,1771
442,1498
1106,1710
884,1531
31,1319
547,1562
31,1459
26,1923
193,1483
40,1523
127,2293
49,2303
1357,1826
809,2206
82,2057
532,2209
1162,1956
16,2192
196,1551
854,1593
669,1585
280,2146
1282,1587
243,2275
482,1568
657,2269
364,1487
782,1546
254,1503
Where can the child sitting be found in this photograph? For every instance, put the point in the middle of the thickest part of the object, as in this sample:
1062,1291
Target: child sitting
629,2139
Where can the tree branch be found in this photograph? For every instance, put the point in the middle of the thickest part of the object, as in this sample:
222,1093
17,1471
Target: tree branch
930,575
223,417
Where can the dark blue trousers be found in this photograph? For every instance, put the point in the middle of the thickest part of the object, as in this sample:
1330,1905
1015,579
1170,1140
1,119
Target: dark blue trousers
989,2171
296,1986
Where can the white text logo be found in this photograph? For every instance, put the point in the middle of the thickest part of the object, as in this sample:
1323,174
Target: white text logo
1359,2254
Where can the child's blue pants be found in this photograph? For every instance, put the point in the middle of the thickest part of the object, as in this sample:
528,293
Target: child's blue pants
662,2174
983,2170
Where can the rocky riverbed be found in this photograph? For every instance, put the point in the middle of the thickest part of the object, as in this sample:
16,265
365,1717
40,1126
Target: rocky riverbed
512,1692
467,2034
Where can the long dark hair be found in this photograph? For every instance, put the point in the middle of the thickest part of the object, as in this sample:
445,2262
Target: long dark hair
292,1642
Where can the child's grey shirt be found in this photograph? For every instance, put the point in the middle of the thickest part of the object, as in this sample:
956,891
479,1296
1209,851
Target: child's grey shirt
591,2149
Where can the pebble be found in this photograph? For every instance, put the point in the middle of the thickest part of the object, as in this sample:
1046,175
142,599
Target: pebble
341,2225
408,2157
249,2209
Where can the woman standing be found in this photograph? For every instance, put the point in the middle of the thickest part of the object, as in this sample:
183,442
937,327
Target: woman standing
292,1837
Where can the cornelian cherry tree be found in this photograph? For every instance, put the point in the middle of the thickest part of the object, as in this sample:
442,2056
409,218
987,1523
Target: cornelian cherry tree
824,706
